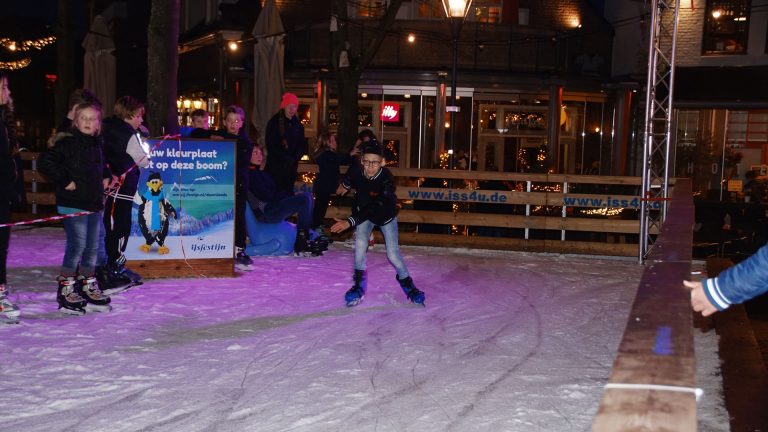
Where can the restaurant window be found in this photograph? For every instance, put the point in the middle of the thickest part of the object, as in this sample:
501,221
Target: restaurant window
370,8
725,27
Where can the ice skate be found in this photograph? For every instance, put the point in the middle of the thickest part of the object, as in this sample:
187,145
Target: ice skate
134,277
243,262
9,313
96,300
414,295
355,295
304,246
69,300
111,281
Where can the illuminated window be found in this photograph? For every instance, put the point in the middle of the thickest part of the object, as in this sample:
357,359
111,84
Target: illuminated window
370,8
725,27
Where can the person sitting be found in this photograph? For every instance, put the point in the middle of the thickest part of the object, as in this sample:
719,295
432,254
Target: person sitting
271,205
201,127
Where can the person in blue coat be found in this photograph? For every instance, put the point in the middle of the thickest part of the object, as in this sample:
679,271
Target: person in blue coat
737,284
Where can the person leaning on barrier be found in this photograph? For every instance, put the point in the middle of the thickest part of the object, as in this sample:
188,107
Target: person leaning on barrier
737,284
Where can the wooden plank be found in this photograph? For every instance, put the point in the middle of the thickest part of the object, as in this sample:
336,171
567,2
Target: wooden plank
213,267
504,176
31,175
502,243
510,197
657,346
41,198
507,221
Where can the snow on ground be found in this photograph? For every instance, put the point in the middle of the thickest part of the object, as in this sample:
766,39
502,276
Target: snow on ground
507,342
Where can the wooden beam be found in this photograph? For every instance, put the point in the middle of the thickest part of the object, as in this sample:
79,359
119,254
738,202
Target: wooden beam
651,387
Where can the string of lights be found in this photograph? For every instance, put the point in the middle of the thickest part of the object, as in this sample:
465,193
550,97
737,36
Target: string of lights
17,46
27,45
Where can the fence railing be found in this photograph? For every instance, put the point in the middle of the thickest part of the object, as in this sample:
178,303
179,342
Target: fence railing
559,213
520,211
652,384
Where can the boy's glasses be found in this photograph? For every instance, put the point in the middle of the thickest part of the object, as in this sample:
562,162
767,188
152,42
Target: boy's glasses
370,163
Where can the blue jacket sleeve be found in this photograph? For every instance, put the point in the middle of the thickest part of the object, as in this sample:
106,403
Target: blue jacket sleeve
739,283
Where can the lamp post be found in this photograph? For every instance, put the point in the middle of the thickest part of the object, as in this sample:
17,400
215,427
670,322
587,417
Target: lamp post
456,11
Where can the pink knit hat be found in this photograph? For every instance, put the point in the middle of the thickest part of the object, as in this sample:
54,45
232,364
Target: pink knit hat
289,98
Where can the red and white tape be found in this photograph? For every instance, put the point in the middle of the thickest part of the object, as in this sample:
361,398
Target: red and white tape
48,219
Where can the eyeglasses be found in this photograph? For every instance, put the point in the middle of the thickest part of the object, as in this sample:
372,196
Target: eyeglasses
370,163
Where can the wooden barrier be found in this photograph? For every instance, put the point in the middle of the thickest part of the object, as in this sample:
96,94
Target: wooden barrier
533,212
558,213
654,374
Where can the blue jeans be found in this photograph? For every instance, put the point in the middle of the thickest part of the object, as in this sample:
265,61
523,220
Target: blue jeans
363,233
301,204
82,248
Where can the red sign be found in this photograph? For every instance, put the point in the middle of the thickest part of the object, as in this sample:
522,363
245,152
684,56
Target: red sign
390,112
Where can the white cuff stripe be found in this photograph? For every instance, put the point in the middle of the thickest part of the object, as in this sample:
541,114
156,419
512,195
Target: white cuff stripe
713,288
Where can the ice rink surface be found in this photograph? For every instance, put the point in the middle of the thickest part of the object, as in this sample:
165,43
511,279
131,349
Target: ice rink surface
508,342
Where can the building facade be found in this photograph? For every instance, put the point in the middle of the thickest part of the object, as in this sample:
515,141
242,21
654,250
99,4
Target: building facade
535,80
720,130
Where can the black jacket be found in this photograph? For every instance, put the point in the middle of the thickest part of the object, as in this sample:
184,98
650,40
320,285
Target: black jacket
375,198
262,190
285,146
76,157
327,179
243,150
11,171
117,133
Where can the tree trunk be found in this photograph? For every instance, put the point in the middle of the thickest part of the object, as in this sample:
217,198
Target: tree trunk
65,66
348,81
348,76
162,67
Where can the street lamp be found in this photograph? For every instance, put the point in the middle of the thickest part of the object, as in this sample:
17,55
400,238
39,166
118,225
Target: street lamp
455,11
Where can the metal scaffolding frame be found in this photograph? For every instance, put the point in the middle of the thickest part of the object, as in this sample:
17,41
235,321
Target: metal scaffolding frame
658,121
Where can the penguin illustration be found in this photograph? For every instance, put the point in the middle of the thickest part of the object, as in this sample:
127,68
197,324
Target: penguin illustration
154,210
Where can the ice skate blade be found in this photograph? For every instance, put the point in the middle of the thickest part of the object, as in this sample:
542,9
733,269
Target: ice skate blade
244,267
75,312
9,319
90,307
355,302
11,313
117,290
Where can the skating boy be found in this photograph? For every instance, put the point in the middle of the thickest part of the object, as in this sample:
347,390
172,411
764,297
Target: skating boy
375,204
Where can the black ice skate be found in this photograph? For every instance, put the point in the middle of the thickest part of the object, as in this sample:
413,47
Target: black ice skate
355,295
69,300
304,246
414,294
96,300
242,261
111,280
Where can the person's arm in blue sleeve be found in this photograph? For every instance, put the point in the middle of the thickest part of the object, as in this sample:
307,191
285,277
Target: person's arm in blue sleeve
737,284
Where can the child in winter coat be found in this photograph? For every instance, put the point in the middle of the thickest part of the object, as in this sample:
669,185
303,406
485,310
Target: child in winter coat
375,204
75,164
327,180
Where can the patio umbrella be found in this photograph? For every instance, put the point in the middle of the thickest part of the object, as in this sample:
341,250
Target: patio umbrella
268,55
99,63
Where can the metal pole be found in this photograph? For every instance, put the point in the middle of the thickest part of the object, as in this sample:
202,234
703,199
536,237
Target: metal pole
452,108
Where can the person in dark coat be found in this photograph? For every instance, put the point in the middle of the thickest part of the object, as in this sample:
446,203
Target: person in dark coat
328,177
375,204
11,190
76,166
234,118
286,143
126,153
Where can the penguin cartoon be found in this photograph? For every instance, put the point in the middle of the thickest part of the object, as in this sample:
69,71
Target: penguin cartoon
154,210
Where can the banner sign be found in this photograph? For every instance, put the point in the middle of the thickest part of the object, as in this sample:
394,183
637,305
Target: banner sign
184,205
390,112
